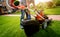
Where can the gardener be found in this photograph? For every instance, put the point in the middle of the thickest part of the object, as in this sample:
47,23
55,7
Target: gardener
24,10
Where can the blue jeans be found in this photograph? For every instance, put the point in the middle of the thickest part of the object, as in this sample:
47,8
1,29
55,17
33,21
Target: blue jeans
22,16
28,16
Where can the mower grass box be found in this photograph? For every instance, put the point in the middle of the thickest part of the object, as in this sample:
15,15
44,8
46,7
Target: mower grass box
30,27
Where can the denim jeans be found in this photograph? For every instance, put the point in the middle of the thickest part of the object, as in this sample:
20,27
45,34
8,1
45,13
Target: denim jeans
22,17
28,16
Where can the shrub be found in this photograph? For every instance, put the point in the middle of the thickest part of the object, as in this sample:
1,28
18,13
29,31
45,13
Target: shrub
58,3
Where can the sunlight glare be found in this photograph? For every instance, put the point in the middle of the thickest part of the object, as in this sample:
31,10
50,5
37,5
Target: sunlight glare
38,1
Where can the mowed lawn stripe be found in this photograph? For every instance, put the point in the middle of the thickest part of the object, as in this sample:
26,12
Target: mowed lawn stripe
8,30
12,23
7,25
18,33
11,31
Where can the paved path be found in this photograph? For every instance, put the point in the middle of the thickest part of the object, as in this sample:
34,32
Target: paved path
54,17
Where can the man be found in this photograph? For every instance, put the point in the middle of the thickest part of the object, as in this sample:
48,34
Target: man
24,10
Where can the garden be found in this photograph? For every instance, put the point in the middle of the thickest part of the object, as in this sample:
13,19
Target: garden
10,23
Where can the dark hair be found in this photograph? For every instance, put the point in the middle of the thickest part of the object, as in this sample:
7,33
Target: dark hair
16,3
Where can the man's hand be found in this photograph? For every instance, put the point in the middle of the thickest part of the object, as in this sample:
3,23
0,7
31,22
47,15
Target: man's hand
40,16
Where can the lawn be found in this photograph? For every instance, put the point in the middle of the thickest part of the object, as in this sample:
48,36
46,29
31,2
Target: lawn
10,27
51,11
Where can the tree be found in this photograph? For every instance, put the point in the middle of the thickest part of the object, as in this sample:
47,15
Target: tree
57,2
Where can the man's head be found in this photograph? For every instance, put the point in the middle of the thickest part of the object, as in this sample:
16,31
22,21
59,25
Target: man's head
16,3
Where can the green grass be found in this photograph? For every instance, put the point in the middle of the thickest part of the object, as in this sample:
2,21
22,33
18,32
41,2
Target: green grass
10,27
51,31
53,11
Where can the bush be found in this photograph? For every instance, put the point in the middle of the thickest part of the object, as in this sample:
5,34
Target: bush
50,4
58,3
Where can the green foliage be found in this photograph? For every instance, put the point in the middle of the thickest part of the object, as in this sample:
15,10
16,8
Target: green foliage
58,3
45,5
50,4
39,6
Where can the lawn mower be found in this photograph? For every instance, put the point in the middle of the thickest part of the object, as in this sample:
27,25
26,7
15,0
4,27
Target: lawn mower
33,26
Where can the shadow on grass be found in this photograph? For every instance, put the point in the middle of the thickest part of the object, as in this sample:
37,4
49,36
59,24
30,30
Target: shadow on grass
46,33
